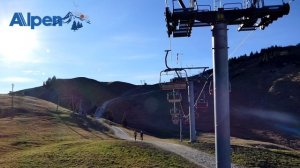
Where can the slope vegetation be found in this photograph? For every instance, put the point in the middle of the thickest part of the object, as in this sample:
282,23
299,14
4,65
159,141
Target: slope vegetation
35,133
265,96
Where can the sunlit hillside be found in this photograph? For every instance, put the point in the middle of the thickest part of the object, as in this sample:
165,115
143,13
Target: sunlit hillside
264,99
37,133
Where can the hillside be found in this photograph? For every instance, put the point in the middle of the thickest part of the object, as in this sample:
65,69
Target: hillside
138,104
35,134
34,122
72,92
264,101
265,96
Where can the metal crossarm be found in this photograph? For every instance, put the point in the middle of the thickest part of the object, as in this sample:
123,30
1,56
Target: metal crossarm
181,21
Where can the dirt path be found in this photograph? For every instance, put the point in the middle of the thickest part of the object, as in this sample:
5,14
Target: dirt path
200,158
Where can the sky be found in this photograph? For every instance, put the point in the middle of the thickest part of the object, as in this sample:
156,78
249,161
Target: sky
124,42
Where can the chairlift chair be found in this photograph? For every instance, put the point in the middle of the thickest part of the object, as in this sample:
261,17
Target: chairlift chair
174,97
202,103
169,80
186,120
174,111
175,119
173,86
197,114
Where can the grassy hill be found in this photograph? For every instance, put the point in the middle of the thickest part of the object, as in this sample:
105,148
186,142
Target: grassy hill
138,104
35,134
89,92
265,96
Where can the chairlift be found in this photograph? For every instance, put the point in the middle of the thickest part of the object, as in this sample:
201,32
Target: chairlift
210,89
197,114
202,102
174,111
186,120
175,120
173,79
174,97
173,86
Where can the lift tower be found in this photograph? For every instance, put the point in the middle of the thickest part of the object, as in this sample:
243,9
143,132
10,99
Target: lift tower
249,15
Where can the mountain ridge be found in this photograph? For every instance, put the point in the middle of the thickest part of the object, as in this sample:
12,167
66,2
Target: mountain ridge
263,84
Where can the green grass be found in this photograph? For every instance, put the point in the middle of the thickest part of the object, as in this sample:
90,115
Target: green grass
90,153
256,157
34,134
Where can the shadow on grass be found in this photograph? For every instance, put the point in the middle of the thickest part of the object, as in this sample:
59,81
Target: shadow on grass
255,157
25,144
12,113
85,123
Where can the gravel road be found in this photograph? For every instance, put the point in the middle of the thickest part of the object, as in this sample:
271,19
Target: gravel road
199,158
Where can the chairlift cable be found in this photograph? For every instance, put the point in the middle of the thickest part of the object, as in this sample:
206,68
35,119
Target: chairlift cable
170,46
241,43
209,89
202,90
177,58
200,93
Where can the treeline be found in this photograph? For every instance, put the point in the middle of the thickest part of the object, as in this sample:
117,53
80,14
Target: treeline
274,54
49,82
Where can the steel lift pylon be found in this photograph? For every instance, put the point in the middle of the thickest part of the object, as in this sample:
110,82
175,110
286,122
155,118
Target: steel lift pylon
249,15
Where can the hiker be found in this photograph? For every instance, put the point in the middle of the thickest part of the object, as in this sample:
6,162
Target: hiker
135,134
142,134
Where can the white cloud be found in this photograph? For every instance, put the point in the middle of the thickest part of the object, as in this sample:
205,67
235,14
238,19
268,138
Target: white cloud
33,72
17,80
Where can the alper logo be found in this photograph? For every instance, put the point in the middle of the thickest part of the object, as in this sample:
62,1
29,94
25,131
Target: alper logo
34,21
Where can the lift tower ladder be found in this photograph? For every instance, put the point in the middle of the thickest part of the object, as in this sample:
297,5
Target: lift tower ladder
180,22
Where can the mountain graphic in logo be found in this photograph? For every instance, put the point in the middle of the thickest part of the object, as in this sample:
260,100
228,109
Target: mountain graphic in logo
77,18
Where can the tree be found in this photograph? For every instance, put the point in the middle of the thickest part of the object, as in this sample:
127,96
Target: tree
54,78
79,25
251,54
124,122
109,115
74,26
48,82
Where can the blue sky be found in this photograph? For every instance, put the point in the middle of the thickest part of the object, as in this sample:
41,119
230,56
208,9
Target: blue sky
124,42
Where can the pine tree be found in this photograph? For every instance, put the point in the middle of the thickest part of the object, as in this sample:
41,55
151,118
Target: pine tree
74,26
124,122
79,25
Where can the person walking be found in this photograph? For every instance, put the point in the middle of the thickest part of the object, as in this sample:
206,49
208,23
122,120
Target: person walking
135,135
142,134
